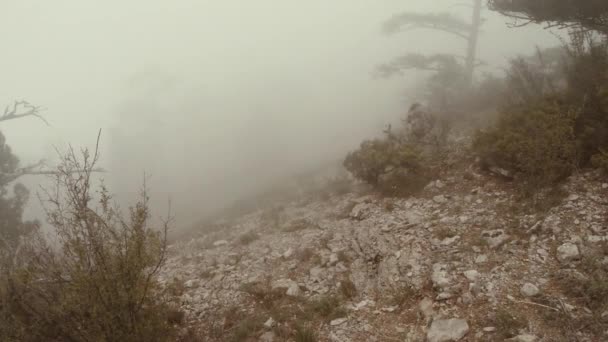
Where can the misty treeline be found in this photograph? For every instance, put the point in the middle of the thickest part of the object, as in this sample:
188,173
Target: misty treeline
546,117
96,278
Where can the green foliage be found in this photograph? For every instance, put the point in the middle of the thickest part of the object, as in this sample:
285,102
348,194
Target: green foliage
536,141
556,114
328,308
99,284
305,335
378,157
600,161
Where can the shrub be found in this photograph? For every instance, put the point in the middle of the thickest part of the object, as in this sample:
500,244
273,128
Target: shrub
99,284
305,335
384,160
600,161
536,141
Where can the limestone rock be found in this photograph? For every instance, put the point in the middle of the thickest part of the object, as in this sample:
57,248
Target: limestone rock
567,252
447,330
529,290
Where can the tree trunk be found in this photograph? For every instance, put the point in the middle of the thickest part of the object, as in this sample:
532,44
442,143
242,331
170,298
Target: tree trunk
472,43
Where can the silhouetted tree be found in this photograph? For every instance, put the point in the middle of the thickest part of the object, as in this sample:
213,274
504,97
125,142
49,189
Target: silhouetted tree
445,22
582,14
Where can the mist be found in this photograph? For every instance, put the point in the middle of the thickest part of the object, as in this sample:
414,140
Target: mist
214,100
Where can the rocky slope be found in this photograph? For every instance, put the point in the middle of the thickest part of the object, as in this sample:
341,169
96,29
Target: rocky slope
465,260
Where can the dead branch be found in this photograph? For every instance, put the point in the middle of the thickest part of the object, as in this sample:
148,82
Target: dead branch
22,109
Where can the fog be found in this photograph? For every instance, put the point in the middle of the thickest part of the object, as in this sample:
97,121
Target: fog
214,100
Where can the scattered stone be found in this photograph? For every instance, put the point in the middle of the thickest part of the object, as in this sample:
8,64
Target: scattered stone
481,259
471,275
604,185
288,253
567,252
523,338
529,290
447,330
361,211
269,323
573,197
489,329
426,307
316,273
220,243
190,283
495,238
439,184
333,259
293,290
440,276
338,321
440,199
449,241
267,337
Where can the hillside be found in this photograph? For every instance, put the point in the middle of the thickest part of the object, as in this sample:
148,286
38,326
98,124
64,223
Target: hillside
466,259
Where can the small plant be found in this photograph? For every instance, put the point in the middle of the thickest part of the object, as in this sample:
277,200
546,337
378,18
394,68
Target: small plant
348,289
304,334
600,161
245,329
248,238
402,295
327,308
444,233
175,316
507,324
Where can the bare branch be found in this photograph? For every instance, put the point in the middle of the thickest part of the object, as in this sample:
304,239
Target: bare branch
22,109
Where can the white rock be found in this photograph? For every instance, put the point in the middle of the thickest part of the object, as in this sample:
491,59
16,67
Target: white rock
267,337
567,252
573,197
338,321
447,330
529,290
269,323
426,307
361,211
293,290
605,186
523,338
449,241
220,243
481,259
190,283
472,275
440,199
316,272
288,253
440,276
495,238
439,184
333,259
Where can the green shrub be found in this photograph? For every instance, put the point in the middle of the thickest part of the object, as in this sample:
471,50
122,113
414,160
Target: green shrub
536,141
305,334
382,161
99,284
600,161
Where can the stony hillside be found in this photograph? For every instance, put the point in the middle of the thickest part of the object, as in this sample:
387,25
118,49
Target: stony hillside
467,259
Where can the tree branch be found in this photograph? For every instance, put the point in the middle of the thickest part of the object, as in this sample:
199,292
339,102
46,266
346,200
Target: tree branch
22,109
